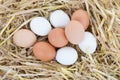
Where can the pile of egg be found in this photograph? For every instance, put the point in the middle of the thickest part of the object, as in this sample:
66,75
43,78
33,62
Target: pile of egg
64,31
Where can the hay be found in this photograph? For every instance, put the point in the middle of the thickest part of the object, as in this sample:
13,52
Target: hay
19,63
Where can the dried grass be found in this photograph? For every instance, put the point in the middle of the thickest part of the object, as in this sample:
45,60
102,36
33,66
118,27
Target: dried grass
19,63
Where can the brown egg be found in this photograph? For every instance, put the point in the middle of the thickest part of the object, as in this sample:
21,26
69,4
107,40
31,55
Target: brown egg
82,17
44,51
57,37
74,32
24,38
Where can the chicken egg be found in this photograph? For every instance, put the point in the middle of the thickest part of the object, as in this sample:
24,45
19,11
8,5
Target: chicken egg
82,17
40,26
74,32
89,43
66,56
59,18
24,38
44,51
57,37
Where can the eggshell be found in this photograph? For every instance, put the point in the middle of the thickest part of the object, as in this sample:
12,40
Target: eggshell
66,56
59,18
57,37
89,43
24,38
74,32
44,51
40,26
82,17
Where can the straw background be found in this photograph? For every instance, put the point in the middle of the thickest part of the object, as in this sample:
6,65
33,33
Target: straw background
19,63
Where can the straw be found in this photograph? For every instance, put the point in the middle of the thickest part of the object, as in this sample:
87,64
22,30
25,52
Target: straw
18,63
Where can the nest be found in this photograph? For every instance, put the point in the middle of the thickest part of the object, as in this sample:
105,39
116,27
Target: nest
18,63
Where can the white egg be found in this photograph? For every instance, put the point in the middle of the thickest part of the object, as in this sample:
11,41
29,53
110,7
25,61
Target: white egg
59,18
67,56
40,26
89,43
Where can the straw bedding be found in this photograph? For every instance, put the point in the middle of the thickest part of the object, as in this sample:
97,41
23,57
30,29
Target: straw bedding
19,63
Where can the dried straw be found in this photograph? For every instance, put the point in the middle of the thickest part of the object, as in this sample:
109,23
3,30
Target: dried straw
19,63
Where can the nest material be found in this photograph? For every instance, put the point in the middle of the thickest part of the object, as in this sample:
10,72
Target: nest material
19,63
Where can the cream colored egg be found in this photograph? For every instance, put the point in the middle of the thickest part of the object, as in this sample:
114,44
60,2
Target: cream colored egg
74,32
24,38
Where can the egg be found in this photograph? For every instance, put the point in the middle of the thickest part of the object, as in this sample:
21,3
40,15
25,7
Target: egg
57,37
66,55
40,26
44,51
89,43
24,38
74,32
82,17
59,18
